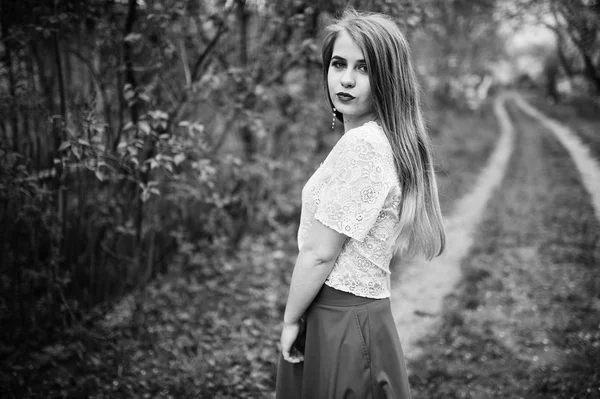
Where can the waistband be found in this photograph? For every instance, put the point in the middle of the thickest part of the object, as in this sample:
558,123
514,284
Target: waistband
331,296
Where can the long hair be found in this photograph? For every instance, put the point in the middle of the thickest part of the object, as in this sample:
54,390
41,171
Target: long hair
396,104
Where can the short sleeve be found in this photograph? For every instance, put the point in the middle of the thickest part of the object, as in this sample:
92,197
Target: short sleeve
354,195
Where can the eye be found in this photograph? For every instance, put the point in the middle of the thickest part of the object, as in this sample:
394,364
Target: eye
362,68
337,64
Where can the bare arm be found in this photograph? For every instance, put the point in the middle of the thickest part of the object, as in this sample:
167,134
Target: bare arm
313,265
315,261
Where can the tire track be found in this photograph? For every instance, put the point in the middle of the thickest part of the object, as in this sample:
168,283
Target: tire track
523,320
419,287
588,167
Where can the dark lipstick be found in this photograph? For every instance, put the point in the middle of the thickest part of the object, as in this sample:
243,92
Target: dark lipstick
344,96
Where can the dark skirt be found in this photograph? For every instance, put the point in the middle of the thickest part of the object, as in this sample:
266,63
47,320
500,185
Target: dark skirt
352,350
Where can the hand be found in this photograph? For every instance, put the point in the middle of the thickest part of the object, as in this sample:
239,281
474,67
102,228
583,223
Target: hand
289,333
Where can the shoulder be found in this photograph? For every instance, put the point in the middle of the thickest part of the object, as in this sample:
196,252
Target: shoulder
370,133
369,137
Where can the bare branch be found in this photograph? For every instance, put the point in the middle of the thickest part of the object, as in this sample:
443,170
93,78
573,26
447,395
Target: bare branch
206,52
184,61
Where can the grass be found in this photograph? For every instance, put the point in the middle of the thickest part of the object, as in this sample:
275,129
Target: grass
211,326
211,337
525,319
462,144
579,113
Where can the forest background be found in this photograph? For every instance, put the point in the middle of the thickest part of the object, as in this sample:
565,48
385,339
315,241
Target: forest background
146,140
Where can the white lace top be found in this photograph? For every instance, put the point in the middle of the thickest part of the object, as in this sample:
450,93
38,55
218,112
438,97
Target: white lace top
356,192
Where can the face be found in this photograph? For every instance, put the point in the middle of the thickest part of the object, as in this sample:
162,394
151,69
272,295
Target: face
348,81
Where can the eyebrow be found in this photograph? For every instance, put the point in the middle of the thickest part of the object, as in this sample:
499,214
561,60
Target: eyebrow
337,57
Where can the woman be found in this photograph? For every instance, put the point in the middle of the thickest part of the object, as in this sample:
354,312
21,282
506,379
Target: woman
375,194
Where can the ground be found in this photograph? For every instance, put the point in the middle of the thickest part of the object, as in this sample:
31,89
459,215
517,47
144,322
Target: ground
525,319
522,321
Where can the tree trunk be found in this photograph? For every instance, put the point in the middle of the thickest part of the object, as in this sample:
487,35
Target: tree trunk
128,59
68,76
592,73
242,17
33,132
560,43
138,315
96,80
13,107
120,110
45,81
583,37
58,124
45,155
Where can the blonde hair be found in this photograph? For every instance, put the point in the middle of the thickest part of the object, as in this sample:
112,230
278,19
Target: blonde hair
396,103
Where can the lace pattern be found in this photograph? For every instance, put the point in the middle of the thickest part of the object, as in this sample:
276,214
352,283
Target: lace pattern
356,192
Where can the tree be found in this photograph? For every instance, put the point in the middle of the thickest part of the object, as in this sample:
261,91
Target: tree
580,21
139,132
576,25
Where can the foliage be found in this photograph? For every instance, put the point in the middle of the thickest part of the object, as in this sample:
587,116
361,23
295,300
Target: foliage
576,25
111,111
580,22
210,331
212,322
149,138
455,47
523,320
29,251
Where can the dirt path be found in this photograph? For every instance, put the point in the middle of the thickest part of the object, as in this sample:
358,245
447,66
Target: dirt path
588,167
524,320
419,287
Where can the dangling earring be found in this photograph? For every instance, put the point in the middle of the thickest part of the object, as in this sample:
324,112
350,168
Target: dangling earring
333,120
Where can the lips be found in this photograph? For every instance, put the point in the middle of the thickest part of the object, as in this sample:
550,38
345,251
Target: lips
344,97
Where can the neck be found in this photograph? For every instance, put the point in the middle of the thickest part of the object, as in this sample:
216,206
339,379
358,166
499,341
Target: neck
351,123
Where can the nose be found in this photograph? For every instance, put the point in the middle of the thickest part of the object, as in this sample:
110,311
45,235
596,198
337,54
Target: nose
347,79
